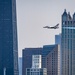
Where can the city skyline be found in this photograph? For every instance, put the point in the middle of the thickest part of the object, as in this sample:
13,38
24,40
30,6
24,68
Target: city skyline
33,15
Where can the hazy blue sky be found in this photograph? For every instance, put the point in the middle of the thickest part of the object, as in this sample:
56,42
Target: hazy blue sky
32,15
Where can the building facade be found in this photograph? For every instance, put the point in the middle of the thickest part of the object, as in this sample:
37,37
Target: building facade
36,61
68,44
53,61
8,38
46,50
36,71
27,58
36,66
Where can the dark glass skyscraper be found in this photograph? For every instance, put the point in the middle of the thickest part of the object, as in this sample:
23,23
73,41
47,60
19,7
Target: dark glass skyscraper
8,38
68,44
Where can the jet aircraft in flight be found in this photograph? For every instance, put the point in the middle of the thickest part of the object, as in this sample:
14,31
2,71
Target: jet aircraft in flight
54,27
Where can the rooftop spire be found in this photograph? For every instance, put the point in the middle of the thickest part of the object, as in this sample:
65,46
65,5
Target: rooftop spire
65,13
68,13
69,16
74,13
74,16
64,10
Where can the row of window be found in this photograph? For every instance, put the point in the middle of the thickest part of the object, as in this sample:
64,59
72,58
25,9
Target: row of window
68,22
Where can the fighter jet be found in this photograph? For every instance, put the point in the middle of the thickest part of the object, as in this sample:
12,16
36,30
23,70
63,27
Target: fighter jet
54,27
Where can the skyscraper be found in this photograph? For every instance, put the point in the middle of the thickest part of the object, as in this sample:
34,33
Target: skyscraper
8,38
51,59
58,41
68,44
46,50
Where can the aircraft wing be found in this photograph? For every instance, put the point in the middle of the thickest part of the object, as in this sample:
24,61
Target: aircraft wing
57,25
46,27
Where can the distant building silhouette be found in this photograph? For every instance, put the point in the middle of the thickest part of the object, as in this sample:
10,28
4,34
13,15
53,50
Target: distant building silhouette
27,57
8,38
68,44
20,65
58,39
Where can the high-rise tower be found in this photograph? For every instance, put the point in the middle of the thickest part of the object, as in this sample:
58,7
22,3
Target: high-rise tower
51,59
68,44
8,38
